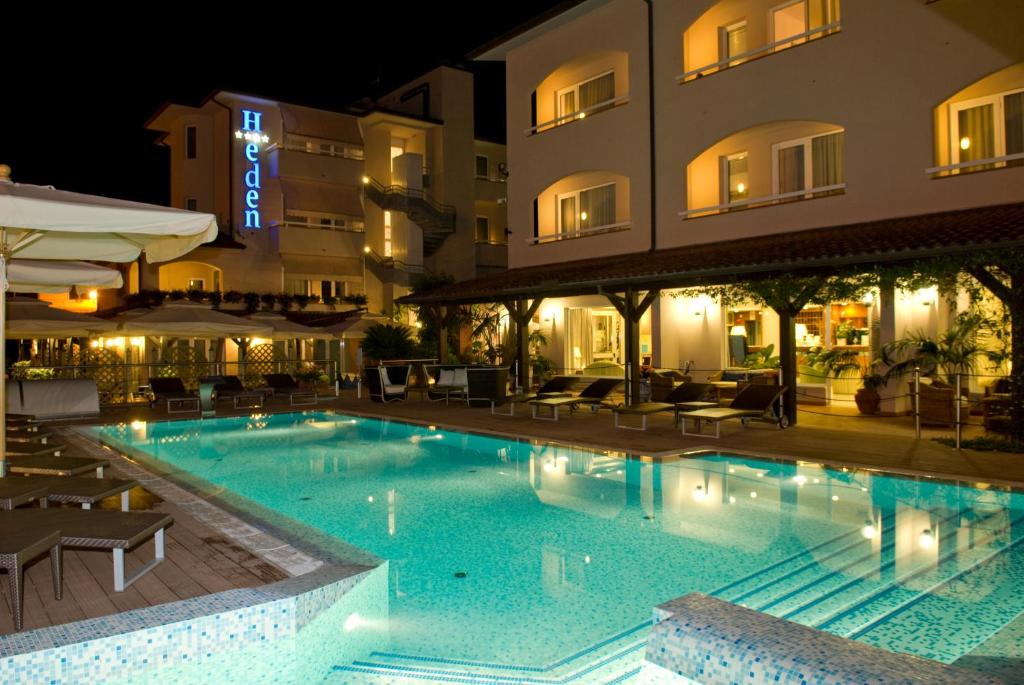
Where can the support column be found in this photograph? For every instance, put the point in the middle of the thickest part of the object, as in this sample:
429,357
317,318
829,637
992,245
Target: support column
631,308
787,361
891,404
520,314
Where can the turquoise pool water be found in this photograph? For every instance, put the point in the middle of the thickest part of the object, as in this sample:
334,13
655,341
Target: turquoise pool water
543,562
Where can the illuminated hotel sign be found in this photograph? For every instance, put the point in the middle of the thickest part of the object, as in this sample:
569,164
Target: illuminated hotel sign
253,136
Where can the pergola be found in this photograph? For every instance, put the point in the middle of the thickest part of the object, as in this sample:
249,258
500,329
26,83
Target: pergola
632,282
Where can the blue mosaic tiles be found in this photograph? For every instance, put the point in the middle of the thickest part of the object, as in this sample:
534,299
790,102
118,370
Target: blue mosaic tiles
201,633
718,643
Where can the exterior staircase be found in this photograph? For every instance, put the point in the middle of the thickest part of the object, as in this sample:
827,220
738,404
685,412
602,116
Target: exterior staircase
436,220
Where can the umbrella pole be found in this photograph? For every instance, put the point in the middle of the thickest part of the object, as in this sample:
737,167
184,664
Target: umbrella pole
3,352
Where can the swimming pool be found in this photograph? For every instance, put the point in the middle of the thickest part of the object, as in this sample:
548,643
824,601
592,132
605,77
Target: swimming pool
528,562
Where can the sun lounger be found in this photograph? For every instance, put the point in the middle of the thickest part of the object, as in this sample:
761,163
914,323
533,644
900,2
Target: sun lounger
38,437
49,465
17,491
753,402
20,542
284,384
594,395
683,398
114,530
231,387
179,399
33,449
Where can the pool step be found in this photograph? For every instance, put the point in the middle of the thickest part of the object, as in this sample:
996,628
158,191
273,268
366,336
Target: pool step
615,660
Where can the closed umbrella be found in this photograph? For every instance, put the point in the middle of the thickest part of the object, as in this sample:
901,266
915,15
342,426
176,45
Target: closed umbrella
28,318
189,320
41,222
47,276
283,329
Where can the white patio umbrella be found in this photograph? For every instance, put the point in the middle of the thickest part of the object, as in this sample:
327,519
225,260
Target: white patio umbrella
355,327
46,276
41,222
189,320
28,318
283,329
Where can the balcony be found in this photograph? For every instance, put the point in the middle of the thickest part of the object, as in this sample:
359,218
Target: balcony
490,257
582,205
722,37
580,88
491,189
296,163
765,165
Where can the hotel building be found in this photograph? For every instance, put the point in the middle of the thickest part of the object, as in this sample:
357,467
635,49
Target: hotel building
324,203
639,126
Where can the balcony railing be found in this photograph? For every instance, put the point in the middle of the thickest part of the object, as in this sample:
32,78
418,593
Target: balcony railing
736,60
575,116
355,154
360,228
975,165
580,233
778,198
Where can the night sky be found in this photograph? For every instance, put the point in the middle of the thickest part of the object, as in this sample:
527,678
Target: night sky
75,100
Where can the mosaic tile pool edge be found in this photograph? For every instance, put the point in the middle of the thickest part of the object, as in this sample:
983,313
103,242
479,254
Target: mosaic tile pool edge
717,643
116,646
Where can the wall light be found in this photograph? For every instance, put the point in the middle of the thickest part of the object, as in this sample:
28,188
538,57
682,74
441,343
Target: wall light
583,216
366,180
927,295
965,143
366,249
738,330
926,540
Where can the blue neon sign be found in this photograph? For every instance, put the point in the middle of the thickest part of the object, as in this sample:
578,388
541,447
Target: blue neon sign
253,136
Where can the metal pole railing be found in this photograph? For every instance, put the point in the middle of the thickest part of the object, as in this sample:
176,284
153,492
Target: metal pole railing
959,426
917,402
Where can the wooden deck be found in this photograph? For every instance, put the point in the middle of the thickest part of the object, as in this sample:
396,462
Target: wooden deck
198,562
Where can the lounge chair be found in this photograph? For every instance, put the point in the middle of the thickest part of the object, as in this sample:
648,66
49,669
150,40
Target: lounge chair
17,491
683,398
388,383
594,395
34,449
231,387
22,541
62,489
179,399
49,465
487,386
755,401
284,384
98,529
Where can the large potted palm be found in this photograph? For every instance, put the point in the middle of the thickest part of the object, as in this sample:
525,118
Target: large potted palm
386,341
940,359
841,363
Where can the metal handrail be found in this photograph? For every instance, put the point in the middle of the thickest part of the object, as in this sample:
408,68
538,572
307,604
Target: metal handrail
766,200
580,114
581,233
977,162
392,263
736,60
405,192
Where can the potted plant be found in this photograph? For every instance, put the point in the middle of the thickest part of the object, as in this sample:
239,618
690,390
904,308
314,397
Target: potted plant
846,334
867,398
385,341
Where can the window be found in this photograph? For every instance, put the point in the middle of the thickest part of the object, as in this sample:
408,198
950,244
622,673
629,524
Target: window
789,19
481,166
585,209
387,234
983,128
196,284
296,286
732,42
191,204
332,288
190,142
808,163
483,229
397,150
735,181
583,96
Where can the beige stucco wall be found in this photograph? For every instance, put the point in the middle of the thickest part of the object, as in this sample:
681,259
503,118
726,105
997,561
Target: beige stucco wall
885,90
614,140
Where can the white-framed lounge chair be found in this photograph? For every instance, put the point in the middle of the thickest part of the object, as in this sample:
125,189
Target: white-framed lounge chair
388,383
594,395
683,398
753,402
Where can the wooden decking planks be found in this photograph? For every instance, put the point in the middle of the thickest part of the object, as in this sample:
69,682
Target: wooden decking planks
198,562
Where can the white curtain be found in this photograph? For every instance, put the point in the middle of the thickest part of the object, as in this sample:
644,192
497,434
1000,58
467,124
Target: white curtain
1013,113
791,169
827,159
599,204
597,90
977,130
578,337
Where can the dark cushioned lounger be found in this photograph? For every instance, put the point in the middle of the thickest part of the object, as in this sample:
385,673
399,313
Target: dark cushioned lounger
49,465
101,529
